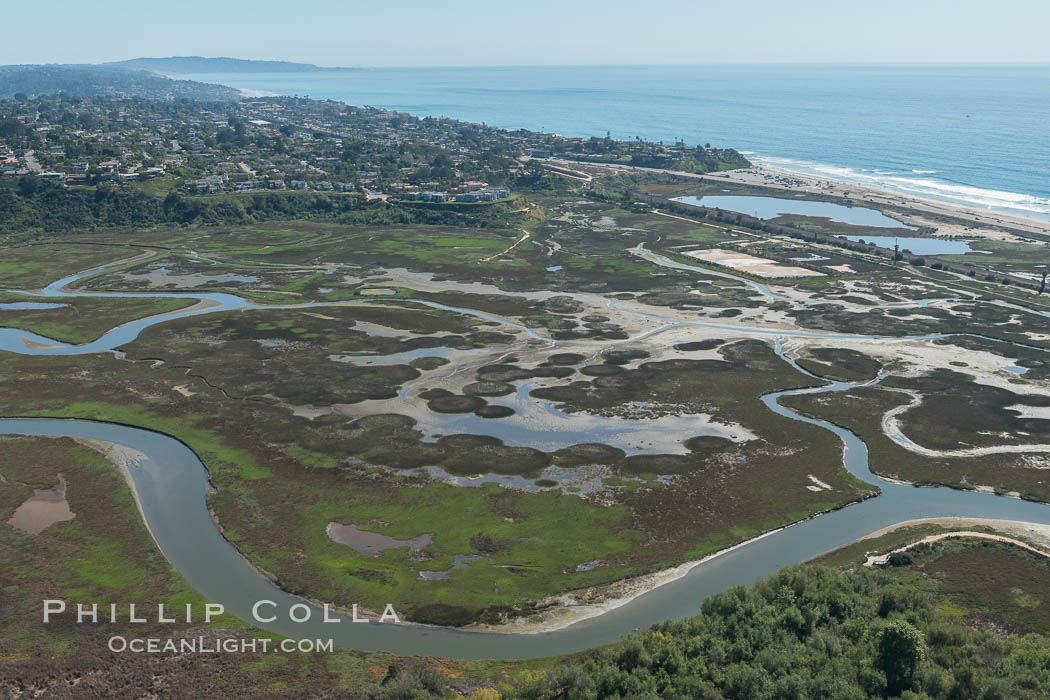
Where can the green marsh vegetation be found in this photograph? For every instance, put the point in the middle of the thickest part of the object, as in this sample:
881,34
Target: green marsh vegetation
231,383
106,554
258,453
980,415
840,364
960,619
982,319
81,320
36,266
860,411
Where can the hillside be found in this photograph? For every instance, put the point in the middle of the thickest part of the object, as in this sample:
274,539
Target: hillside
174,65
88,81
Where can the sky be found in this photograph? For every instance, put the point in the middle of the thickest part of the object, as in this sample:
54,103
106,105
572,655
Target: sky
534,32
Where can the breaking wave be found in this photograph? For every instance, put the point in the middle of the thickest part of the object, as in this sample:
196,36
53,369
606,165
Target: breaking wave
917,183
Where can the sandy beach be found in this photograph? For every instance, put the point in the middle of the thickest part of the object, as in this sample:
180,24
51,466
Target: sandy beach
766,176
985,222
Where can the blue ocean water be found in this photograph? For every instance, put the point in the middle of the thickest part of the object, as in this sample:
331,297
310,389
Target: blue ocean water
975,135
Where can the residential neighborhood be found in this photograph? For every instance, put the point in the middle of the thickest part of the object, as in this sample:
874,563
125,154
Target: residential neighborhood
286,143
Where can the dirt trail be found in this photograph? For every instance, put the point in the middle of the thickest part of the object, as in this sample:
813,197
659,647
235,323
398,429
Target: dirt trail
708,225
881,559
526,235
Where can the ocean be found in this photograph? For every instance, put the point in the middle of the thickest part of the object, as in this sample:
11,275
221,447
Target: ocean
973,135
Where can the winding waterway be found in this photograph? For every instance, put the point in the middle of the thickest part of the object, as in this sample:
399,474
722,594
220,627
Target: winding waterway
171,482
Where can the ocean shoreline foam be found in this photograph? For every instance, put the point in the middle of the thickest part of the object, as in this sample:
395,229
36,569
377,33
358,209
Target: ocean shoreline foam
1011,203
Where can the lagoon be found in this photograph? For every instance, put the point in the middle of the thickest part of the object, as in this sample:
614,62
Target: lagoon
170,484
917,246
772,207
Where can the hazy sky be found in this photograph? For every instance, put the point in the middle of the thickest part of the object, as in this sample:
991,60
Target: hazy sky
537,32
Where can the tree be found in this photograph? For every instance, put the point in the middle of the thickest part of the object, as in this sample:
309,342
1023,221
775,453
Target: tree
901,650
12,128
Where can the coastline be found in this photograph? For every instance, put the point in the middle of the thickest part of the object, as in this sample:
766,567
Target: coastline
778,178
249,93
916,184
965,162
977,223
921,188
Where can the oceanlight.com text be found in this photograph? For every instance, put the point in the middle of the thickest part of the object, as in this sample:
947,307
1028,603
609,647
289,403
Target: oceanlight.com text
202,645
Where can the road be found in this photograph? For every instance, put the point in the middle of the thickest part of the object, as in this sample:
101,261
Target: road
32,163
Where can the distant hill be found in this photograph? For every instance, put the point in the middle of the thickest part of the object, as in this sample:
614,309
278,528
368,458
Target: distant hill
176,65
87,81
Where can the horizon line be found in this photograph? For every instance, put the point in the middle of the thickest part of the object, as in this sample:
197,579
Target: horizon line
769,63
